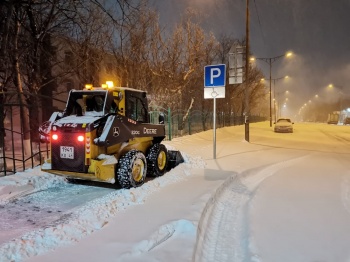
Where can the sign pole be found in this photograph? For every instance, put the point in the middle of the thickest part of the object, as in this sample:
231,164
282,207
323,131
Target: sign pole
214,127
214,77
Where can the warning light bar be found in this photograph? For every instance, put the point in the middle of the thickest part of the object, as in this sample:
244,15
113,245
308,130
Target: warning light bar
88,86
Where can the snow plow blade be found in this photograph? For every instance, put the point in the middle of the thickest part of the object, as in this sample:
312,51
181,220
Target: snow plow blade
175,158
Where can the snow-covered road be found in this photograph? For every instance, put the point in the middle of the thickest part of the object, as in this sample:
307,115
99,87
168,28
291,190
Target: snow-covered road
292,210
281,197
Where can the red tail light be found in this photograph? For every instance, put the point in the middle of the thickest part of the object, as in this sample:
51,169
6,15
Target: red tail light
54,136
80,138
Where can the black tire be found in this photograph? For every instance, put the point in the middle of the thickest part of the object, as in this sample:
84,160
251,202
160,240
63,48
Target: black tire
131,169
157,160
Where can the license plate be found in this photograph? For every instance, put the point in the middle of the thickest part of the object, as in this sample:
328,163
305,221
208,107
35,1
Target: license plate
67,152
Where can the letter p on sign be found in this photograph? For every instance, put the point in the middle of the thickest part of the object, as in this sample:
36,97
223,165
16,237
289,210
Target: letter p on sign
214,75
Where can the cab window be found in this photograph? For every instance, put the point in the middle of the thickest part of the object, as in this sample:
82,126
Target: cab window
136,109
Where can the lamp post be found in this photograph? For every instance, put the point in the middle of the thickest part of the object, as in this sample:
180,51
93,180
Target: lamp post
270,61
274,94
340,91
246,91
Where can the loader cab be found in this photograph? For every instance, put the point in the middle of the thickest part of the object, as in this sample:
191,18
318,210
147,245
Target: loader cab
128,102
132,103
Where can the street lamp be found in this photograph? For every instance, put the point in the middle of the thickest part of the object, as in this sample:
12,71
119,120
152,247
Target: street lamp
275,98
246,91
274,94
341,94
270,61
340,91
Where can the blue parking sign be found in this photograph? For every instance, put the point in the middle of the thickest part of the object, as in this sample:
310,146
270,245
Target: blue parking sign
214,75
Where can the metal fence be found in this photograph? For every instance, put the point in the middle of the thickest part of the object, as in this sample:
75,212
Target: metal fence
179,123
12,154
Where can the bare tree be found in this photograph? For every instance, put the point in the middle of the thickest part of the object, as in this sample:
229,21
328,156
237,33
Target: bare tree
46,43
177,63
27,28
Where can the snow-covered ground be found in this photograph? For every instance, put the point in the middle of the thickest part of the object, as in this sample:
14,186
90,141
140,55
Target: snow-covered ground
281,197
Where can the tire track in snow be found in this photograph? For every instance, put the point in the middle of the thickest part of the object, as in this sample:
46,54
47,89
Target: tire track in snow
43,208
226,214
345,193
337,137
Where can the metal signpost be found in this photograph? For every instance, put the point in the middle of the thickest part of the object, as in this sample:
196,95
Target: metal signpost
214,87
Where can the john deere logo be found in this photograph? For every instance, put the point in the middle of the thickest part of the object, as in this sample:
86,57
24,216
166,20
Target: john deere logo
115,131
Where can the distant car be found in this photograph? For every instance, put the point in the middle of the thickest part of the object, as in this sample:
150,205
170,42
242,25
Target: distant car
284,125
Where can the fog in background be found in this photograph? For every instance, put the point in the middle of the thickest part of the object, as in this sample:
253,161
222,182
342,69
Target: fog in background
316,31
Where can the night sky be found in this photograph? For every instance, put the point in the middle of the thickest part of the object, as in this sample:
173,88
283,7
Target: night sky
317,31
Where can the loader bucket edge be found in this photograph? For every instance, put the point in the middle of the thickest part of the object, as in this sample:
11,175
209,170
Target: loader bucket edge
175,158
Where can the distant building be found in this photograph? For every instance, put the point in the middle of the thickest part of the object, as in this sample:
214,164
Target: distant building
79,65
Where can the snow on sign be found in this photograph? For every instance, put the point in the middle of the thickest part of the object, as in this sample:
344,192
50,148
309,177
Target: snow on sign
214,75
215,92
